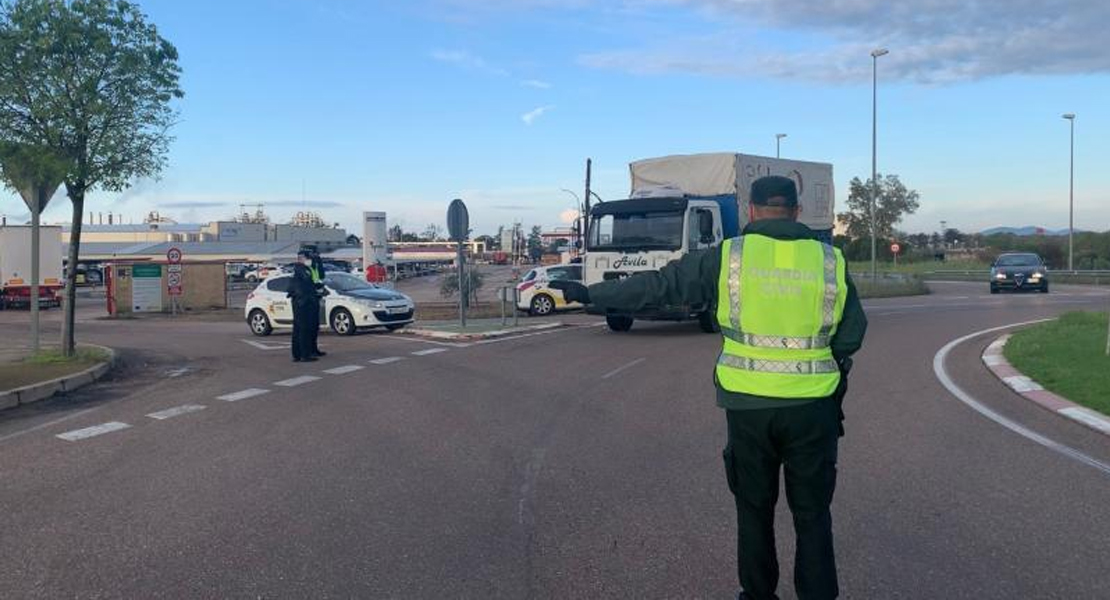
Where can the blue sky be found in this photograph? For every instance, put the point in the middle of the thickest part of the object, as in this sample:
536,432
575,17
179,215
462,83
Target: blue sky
343,106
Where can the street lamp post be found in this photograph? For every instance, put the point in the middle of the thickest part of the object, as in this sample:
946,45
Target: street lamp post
875,54
778,143
1071,190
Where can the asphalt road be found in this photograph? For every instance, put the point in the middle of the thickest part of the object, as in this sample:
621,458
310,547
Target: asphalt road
571,464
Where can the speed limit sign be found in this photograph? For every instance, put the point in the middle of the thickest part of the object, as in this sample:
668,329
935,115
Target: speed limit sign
895,248
173,255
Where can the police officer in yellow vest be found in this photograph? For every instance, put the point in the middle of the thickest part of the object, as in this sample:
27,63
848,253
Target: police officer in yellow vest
790,319
317,271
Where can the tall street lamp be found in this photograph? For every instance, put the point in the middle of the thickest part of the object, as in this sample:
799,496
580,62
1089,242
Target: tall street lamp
1071,189
875,54
778,143
578,209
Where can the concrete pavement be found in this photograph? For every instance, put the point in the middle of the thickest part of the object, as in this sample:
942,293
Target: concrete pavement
574,463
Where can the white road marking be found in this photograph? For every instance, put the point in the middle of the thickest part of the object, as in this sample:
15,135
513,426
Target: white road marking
386,361
49,423
429,351
942,374
295,381
175,411
242,395
623,368
261,346
344,370
1021,383
95,430
527,335
1087,416
177,372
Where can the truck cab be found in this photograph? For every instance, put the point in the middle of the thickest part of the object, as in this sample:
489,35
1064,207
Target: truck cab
644,234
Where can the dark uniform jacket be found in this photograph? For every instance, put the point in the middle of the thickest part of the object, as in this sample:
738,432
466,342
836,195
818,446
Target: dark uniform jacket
694,279
302,290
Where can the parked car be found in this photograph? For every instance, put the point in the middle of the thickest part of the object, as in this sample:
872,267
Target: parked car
1017,271
351,304
537,298
266,271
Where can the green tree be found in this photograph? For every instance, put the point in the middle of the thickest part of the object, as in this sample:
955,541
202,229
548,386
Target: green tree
894,201
449,285
535,243
92,81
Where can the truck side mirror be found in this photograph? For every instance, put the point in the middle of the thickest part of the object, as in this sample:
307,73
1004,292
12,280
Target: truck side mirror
705,227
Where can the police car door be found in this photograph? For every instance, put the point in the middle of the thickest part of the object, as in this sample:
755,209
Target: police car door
278,305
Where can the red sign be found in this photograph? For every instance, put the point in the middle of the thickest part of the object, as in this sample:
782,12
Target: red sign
173,256
175,290
895,248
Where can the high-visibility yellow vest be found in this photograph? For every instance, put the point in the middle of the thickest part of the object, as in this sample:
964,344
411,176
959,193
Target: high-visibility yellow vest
779,304
315,275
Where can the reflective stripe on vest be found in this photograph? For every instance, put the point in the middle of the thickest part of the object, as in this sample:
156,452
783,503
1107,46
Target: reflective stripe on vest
784,301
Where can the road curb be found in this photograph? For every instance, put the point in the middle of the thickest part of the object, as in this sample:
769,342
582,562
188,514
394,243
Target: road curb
486,335
44,390
1023,386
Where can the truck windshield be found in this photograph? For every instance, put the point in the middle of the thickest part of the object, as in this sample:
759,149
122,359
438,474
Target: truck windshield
627,231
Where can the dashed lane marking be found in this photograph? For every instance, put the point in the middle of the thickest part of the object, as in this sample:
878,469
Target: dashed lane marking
95,430
242,395
169,413
386,361
344,369
295,381
429,351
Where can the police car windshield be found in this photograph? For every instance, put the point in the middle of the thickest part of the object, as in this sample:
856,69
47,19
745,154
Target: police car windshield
1018,260
639,231
343,282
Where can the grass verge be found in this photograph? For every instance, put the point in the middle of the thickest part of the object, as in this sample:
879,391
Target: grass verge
1066,356
889,287
47,365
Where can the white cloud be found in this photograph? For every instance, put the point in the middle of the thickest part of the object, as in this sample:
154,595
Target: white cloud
536,83
568,216
931,41
466,60
531,116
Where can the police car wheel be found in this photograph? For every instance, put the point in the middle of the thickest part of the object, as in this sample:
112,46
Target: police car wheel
542,305
260,323
342,322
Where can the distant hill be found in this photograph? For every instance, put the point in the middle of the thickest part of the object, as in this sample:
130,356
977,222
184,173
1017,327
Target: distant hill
1027,230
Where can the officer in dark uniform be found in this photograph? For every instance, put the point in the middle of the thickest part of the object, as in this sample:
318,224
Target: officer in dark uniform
790,318
306,308
317,271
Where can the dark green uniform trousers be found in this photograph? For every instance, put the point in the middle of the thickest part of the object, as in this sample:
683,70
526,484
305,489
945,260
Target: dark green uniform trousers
801,441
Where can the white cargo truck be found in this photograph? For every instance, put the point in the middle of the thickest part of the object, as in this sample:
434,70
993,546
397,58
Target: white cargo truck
15,265
683,203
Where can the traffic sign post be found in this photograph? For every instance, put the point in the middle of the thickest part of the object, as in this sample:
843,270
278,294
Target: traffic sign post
895,248
458,226
174,272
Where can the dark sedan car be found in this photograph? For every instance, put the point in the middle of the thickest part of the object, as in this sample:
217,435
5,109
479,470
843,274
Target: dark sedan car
1019,271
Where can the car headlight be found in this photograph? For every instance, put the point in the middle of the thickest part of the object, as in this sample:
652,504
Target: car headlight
1000,276
1036,276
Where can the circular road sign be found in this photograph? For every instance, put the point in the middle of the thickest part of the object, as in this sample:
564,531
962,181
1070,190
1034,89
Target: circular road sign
173,255
895,248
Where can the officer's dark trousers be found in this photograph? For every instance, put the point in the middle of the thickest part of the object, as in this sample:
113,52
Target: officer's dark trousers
305,318
801,441
314,332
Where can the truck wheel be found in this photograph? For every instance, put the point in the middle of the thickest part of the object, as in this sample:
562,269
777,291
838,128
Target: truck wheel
708,322
618,323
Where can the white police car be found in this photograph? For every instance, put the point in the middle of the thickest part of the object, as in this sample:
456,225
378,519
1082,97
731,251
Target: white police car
351,304
538,298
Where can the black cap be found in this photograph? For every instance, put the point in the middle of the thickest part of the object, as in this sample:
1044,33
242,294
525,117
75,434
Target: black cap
305,252
774,186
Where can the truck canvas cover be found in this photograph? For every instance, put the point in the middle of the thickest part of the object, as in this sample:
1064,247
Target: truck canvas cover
730,174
